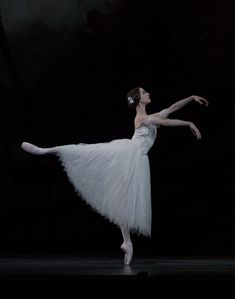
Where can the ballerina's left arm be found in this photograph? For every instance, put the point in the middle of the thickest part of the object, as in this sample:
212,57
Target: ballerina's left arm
155,119
178,105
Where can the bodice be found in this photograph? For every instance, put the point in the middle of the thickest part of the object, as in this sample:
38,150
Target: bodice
144,137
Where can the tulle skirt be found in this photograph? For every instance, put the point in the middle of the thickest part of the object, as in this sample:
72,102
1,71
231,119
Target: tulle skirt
114,179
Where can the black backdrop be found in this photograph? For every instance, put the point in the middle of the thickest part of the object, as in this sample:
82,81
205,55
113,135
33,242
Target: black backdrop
64,80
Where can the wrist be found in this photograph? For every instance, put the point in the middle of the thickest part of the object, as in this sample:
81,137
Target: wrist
191,98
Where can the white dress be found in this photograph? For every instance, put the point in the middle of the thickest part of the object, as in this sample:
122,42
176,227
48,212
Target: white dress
114,177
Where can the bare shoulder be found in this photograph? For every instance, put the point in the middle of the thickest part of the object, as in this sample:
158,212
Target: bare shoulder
154,118
140,120
163,114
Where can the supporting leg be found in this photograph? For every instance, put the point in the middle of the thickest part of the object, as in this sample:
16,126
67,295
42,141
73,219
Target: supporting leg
127,246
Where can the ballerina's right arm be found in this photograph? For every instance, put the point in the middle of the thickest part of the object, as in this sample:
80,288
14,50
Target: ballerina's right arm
180,104
155,119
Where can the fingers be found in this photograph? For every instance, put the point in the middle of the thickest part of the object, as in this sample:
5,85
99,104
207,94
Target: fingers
205,102
199,136
201,100
197,133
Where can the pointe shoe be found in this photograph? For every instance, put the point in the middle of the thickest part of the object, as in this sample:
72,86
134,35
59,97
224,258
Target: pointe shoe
32,149
128,249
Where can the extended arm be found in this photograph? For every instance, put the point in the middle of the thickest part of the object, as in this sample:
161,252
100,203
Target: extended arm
172,123
178,105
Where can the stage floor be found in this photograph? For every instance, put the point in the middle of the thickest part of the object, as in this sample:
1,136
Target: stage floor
112,267
68,277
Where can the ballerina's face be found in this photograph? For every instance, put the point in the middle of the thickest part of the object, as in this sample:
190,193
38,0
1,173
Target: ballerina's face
144,96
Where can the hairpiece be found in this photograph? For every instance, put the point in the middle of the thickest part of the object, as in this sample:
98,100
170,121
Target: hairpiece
130,100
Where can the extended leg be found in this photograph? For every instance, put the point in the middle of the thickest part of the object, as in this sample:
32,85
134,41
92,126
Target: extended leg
33,149
127,245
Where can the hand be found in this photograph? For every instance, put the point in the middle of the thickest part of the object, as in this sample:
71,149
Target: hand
200,100
195,131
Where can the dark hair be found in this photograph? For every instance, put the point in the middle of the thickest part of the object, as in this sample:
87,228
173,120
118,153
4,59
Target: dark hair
133,97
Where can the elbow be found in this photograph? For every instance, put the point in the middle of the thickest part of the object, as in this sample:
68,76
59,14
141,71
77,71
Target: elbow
163,122
166,122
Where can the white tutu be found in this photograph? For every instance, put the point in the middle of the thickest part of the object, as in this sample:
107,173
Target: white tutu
114,177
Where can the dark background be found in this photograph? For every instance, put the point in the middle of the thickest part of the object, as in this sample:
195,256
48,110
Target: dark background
65,68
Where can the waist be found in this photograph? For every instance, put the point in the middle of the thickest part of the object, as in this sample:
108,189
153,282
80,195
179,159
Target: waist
142,146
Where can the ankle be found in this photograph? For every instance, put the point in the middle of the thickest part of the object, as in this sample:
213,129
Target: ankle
127,243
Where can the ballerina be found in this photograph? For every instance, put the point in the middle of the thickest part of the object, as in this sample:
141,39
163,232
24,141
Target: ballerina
114,177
